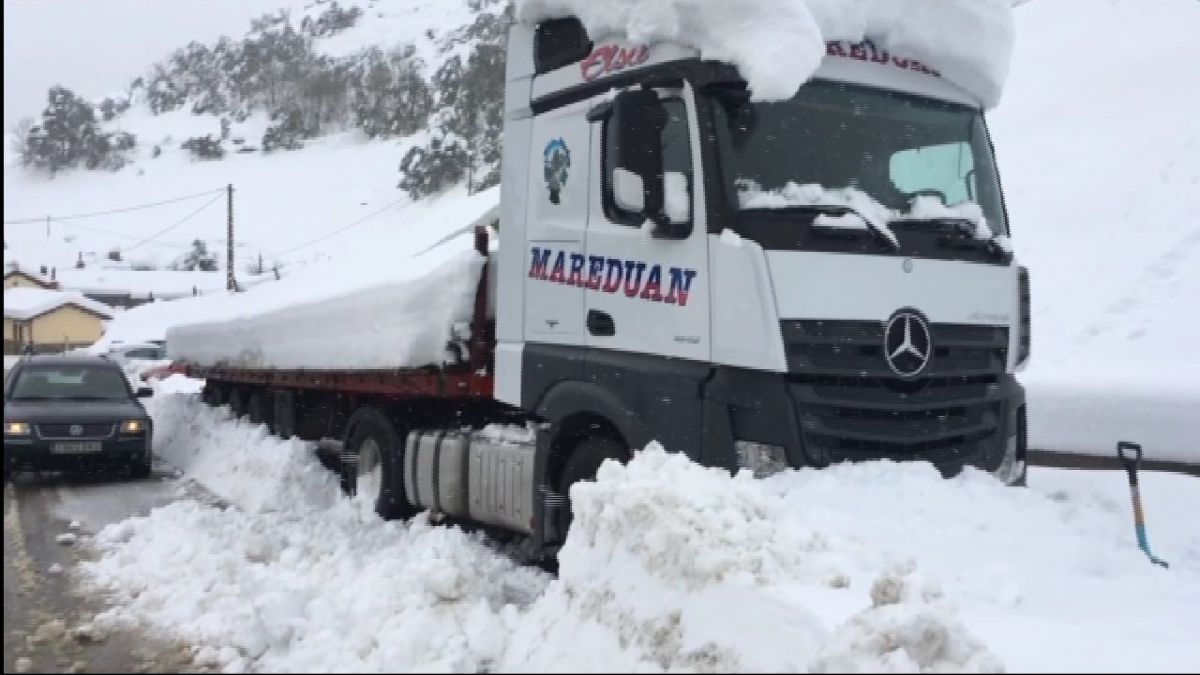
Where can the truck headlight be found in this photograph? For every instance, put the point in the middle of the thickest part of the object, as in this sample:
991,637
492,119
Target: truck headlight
133,426
16,428
763,459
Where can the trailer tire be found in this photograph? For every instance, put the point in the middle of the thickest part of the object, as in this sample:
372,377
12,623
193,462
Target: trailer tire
374,443
260,409
583,464
237,402
212,394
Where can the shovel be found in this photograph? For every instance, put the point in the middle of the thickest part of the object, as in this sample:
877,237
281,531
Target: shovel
1130,455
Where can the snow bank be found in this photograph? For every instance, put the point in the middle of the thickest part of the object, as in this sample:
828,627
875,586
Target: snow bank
778,44
665,556
254,470
669,566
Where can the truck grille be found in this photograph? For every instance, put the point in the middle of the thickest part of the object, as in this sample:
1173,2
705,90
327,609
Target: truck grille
89,430
852,406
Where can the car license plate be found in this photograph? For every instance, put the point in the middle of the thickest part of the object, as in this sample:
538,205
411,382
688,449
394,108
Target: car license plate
75,447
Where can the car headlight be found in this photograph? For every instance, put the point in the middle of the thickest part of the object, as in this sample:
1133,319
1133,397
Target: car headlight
133,426
16,428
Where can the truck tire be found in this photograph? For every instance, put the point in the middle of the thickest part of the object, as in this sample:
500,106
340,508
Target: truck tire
584,462
212,395
261,409
372,458
237,402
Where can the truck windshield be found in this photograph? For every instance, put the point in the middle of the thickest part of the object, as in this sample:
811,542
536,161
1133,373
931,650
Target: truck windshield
844,152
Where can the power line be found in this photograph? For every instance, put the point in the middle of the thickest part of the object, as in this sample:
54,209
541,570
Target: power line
341,229
175,224
22,221
109,233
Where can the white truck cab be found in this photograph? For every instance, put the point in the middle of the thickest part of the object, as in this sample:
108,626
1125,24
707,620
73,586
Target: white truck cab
756,284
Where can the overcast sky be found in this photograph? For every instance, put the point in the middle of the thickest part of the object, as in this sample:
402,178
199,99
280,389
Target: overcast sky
95,47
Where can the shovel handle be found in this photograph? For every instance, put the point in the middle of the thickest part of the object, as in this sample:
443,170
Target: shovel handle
1130,460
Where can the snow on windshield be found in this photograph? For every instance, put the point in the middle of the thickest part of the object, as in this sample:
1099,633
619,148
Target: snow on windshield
778,44
866,211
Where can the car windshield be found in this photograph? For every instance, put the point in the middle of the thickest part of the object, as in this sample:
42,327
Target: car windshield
67,382
886,154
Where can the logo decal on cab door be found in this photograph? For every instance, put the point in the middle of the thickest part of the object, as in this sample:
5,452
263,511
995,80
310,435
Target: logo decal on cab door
635,278
556,166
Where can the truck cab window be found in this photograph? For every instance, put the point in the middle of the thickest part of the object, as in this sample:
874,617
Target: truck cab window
677,157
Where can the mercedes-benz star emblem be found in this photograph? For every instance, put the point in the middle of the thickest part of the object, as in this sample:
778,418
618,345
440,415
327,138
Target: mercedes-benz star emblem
76,430
907,344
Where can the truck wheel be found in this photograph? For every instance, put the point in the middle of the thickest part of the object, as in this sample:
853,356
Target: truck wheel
211,395
237,402
261,410
584,462
371,461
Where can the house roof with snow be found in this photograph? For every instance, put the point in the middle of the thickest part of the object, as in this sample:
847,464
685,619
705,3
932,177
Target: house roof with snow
34,277
24,304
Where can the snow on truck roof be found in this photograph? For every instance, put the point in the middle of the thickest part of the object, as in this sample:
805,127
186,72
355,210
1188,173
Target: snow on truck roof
777,45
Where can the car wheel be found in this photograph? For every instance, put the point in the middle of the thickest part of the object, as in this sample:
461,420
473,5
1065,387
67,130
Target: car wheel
142,468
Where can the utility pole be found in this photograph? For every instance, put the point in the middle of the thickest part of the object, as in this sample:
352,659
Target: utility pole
47,227
230,281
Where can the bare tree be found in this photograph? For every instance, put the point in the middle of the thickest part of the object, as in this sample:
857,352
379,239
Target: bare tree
17,137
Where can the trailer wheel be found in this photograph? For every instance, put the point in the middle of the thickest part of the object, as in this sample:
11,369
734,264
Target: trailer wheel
584,463
212,394
237,402
371,463
261,409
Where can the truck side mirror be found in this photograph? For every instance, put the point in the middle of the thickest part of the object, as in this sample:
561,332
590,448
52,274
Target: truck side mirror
638,119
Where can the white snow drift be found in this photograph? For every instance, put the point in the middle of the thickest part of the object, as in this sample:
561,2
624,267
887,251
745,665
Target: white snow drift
669,566
778,44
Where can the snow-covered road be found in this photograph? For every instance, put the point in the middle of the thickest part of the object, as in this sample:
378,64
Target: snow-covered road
669,566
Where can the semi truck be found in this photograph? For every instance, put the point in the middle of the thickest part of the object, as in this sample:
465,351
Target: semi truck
759,285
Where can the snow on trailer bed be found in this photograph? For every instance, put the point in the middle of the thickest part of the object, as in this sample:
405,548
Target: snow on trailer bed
380,311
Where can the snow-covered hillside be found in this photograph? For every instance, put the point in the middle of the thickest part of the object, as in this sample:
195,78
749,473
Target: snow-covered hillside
1098,140
289,207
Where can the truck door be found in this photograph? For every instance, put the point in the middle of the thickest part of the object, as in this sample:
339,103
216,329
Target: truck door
649,295
558,212
646,301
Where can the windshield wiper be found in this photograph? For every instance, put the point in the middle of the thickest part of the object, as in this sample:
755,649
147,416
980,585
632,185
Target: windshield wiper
834,210
963,228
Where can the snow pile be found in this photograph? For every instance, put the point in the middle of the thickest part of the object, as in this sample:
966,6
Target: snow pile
390,308
665,556
669,566
777,45
252,469
24,303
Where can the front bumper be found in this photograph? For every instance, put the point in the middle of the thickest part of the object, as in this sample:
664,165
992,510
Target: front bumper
38,455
